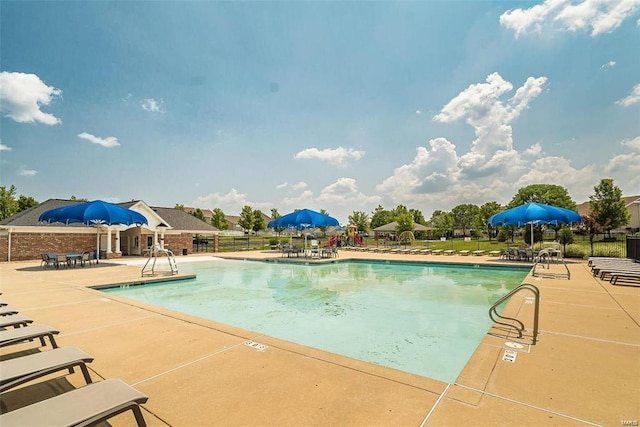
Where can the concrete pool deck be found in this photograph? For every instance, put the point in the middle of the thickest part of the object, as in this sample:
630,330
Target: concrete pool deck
584,370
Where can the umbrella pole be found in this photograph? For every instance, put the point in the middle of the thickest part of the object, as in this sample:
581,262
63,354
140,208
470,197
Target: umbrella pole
98,244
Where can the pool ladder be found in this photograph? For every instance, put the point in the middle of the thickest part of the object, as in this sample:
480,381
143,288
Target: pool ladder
158,252
516,324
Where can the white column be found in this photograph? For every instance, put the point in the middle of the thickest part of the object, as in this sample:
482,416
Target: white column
118,251
109,240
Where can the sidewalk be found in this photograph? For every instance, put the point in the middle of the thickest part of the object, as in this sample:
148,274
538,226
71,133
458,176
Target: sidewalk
584,369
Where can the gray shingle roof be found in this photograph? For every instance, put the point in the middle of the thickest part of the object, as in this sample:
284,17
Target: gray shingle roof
177,219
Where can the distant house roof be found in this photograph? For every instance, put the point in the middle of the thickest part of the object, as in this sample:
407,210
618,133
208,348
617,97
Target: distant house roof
183,221
393,226
584,207
174,218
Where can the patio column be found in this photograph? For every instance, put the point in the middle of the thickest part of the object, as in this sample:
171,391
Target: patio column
109,251
118,251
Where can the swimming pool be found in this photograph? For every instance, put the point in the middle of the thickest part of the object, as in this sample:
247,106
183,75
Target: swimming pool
421,318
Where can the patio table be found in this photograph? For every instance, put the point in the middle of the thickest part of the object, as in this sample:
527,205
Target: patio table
73,257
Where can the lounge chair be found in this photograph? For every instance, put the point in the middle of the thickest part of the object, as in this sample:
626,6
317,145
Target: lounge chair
16,320
449,252
436,252
6,311
479,252
84,406
464,252
21,370
29,333
625,276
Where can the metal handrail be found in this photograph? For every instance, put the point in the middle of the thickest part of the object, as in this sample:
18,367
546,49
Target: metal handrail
518,326
545,255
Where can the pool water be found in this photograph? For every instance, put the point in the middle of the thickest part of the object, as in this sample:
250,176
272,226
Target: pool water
425,319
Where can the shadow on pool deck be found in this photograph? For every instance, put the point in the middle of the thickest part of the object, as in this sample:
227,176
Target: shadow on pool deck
584,369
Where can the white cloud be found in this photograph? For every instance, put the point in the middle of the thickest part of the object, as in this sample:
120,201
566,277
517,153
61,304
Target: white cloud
152,105
439,177
481,107
4,147
299,186
283,185
534,150
27,172
634,143
632,98
625,168
609,64
337,156
596,16
109,142
231,203
22,96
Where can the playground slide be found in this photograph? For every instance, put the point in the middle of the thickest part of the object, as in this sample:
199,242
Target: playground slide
332,241
358,240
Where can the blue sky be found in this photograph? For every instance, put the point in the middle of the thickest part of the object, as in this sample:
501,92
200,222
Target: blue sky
341,106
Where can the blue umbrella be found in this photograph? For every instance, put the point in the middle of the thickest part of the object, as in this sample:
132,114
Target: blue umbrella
304,218
95,213
534,214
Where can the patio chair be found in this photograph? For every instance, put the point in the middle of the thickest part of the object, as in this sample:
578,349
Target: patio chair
16,320
85,259
47,261
28,333
61,259
88,405
21,370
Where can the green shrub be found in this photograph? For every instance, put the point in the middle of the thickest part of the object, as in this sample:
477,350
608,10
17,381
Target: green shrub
566,236
503,235
576,251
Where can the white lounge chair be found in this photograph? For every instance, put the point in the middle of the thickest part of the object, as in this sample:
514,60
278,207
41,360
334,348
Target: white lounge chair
16,320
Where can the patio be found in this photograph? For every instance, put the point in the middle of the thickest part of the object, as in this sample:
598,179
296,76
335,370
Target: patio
583,370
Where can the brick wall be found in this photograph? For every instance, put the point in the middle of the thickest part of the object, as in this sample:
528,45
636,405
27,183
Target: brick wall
29,246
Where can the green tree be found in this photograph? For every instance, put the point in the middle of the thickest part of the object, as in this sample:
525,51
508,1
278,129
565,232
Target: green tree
360,220
486,211
247,219
550,194
79,199
275,214
219,220
465,216
198,214
405,221
381,216
179,207
26,202
441,223
593,228
607,207
323,229
418,216
258,221
8,203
